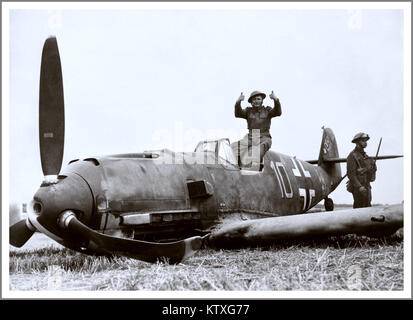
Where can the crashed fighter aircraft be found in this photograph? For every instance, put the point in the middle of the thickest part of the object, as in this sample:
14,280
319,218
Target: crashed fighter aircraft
166,204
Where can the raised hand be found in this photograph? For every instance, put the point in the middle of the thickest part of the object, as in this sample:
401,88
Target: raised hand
241,97
273,96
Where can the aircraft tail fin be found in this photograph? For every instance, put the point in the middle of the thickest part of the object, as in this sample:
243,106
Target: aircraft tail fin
329,150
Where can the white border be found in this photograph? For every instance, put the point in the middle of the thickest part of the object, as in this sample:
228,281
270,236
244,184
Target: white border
407,99
5,168
216,295
204,5
406,293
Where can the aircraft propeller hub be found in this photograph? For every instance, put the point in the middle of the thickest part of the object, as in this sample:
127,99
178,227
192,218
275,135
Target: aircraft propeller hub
51,201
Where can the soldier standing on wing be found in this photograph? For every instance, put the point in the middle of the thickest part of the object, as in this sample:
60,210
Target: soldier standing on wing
259,121
361,170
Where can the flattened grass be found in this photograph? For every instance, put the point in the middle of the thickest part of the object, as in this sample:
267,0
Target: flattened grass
327,264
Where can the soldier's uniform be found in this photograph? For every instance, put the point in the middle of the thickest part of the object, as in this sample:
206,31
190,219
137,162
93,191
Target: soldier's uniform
259,122
361,170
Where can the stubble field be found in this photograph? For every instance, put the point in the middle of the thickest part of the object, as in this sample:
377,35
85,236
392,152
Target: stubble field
335,263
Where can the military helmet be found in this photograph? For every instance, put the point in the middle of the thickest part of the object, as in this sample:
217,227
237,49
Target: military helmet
256,93
360,136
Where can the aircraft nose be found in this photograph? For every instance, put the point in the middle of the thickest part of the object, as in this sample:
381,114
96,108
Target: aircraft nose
70,192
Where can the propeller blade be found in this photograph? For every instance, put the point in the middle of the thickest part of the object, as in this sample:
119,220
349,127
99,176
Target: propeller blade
21,232
141,250
51,109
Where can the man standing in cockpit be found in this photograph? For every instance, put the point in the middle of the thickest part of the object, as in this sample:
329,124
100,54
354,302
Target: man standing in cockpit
258,140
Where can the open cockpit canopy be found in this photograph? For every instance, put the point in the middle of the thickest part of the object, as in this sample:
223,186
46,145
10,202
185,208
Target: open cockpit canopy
221,149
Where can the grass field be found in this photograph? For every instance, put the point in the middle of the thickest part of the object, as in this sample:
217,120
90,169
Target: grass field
344,263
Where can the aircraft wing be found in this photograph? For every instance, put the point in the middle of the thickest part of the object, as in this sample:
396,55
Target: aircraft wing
338,160
375,221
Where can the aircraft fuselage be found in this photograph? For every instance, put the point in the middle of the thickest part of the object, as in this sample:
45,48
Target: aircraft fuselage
163,192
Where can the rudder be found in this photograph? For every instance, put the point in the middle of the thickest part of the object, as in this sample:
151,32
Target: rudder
329,150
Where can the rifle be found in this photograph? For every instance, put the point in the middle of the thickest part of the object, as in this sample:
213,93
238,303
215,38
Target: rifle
378,149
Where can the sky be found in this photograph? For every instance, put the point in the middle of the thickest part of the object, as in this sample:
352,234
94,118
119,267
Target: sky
138,80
